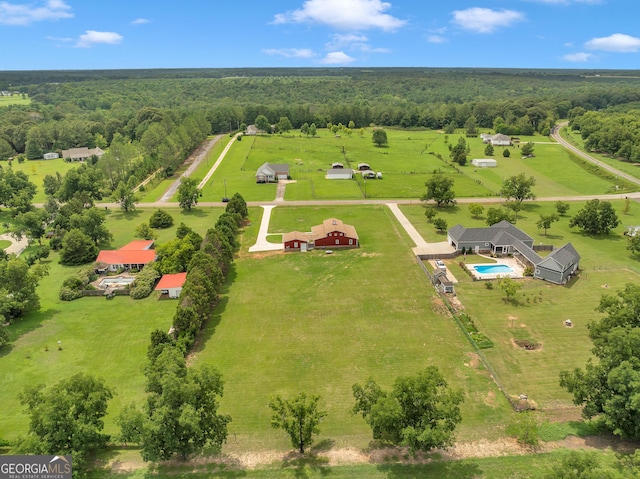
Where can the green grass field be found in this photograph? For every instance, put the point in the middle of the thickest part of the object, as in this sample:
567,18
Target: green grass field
409,160
14,100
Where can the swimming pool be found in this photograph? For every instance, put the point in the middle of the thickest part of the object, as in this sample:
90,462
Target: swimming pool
116,282
492,268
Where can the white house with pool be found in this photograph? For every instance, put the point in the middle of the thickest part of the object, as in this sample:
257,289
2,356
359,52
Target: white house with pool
504,239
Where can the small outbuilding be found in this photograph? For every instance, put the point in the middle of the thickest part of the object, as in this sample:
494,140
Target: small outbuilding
339,174
484,162
51,156
337,165
296,241
171,284
363,167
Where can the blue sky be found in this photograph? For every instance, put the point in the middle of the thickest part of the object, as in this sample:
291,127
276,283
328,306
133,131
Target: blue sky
93,34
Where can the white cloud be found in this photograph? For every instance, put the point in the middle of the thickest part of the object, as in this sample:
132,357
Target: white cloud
290,52
140,21
91,38
60,39
350,15
485,20
339,40
436,39
337,58
578,57
618,42
352,41
26,14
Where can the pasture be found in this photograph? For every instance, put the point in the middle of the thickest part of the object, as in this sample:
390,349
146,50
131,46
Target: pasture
540,308
411,158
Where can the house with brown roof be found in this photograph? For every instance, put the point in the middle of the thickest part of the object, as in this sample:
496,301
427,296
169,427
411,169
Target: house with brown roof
171,284
134,255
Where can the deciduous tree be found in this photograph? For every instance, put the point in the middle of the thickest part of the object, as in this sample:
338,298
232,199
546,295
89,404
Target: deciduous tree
77,248
439,189
67,418
298,417
597,217
518,188
476,210
379,137
420,411
545,221
188,193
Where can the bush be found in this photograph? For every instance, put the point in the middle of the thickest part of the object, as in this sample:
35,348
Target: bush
144,283
528,271
161,219
73,286
69,294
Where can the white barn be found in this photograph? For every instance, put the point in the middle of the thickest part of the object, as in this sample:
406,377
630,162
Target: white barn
484,162
339,174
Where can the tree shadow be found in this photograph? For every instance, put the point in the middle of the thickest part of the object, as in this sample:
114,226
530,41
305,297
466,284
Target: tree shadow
306,465
125,215
453,470
210,326
323,446
199,212
33,321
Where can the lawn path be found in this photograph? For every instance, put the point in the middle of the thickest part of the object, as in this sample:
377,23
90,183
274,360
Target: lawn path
213,169
196,158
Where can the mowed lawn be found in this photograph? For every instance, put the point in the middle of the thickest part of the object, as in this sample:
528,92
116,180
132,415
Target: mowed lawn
319,323
36,170
541,308
106,338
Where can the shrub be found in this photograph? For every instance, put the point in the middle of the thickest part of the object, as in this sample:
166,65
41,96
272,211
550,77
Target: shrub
69,294
144,283
528,271
161,219
73,286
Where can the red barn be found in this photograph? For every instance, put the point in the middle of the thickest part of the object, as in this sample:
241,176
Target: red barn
333,233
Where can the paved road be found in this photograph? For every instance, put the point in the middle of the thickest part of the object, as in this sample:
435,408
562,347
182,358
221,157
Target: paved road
555,134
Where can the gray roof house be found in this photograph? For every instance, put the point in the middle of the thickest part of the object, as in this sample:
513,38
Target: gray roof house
271,172
505,238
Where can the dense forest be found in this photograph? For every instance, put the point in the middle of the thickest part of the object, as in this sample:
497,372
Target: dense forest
154,118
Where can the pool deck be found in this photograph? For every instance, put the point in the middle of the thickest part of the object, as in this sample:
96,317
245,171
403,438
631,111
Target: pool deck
518,270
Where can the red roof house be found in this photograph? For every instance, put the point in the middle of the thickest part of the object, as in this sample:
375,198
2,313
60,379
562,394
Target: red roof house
171,284
134,255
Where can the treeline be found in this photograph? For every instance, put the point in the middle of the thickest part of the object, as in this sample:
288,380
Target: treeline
612,132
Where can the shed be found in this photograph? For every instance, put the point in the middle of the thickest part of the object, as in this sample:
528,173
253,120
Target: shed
484,162
51,156
171,284
337,165
296,241
363,166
